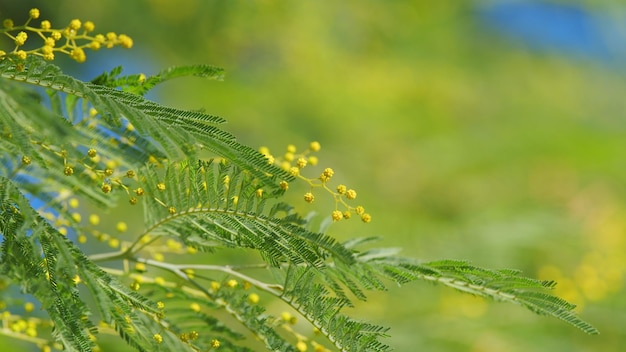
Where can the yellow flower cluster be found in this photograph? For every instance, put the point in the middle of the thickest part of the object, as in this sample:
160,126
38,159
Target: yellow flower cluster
293,162
71,40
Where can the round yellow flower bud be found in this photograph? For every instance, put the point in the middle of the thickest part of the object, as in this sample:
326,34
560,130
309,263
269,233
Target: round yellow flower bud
34,13
20,38
158,338
309,197
125,41
89,26
121,226
315,146
75,24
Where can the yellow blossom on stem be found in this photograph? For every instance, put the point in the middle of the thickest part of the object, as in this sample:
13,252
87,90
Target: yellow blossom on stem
309,197
74,45
326,175
34,13
20,39
253,298
114,242
94,219
89,26
75,24
173,244
125,41
315,146
195,307
121,226
301,346
337,215
286,316
94,45
158,338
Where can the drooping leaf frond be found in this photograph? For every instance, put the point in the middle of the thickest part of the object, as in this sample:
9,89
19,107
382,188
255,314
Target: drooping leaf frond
176,134
500,285
303,290
139,84
49,266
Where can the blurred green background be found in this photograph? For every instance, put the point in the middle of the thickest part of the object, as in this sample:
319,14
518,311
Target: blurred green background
466,134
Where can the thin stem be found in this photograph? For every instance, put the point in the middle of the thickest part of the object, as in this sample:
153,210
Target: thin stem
179,270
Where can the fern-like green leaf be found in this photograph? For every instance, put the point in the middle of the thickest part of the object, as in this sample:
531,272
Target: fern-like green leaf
47,265
503,285
139,84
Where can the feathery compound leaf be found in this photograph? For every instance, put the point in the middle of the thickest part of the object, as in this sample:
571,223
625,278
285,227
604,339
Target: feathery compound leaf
500,285
192,130
304,291
52,278
26,238
224,221
140,84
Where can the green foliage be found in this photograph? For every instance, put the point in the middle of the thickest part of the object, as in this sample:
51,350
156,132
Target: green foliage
102,141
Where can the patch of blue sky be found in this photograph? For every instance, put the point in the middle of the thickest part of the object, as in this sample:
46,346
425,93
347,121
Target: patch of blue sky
569,29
